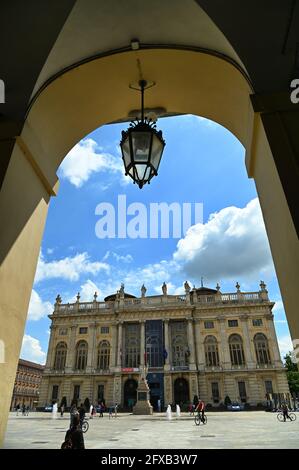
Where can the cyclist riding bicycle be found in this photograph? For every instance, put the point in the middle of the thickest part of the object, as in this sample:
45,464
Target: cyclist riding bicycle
201,410
285,410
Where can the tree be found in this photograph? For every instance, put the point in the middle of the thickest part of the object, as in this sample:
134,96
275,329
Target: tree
292,374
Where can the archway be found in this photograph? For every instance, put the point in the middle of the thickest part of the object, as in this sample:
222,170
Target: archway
130,393
181,391
82,99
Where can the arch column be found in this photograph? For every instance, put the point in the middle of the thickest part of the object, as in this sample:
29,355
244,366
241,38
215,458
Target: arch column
119,346
51,350
250,362
113,346
226,362
142,342
70,357
166,344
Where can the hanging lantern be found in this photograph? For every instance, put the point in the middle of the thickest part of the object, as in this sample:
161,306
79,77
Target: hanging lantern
142,147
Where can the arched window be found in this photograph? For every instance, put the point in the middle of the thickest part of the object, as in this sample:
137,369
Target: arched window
236,350
104,355
81,355
60,356
131,357
211,351
179,351
153,352
261,349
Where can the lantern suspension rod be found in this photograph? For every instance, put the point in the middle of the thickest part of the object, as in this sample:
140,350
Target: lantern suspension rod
142,84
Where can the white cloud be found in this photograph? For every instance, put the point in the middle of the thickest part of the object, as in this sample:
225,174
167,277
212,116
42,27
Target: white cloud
119,258
69,268
32,351
278,306
87,291
285,345
232,244
86,158
50,251
38,308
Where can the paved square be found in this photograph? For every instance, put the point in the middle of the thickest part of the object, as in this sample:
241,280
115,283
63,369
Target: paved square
246,430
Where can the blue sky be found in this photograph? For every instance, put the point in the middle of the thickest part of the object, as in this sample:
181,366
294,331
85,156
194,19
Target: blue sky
202,163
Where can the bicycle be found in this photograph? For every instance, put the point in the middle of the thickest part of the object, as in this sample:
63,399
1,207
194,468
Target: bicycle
84,426
200,418
280,416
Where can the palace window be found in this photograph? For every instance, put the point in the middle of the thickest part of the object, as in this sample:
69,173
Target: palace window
261,349
81,355
100,393
55,392
211,351
257,322
269,387
215,392
104,330
104,355
242,391
63,331
132,345
232,323
60,356
209,324
83,330
236,350
179,343
154,343
76,392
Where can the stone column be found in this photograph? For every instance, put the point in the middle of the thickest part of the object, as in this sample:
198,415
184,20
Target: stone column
192,365
226,362
70,357
166,344
142,342
200,352
273,343
250,361
113,346
92,328
119,346
51,350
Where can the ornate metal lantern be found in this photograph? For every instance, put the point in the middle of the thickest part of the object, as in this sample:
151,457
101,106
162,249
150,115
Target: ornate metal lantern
142,147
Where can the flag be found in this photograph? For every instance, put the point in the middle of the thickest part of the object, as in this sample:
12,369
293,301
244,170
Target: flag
165,354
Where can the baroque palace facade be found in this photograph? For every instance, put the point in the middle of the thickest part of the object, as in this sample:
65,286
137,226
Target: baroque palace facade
203,343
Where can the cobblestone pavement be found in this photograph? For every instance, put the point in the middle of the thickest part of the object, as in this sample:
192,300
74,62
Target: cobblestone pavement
239,430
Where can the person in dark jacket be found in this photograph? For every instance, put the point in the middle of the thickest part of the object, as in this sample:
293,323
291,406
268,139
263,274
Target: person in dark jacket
75,434
81,413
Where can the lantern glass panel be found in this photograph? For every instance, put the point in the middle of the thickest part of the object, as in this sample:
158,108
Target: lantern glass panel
157,150
140,169
141,145
147,173
126,151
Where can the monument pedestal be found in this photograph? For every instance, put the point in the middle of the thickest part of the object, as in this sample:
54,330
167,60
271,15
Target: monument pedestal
143,406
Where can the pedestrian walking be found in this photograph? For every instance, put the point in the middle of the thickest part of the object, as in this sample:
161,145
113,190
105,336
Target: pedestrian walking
18,408
73,412
61,411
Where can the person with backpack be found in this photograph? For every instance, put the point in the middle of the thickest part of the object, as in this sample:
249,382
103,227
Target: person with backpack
74,436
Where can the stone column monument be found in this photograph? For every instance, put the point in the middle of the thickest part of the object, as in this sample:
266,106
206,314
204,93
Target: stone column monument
143,406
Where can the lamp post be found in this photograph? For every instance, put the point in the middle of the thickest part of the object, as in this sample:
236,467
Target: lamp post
142,146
